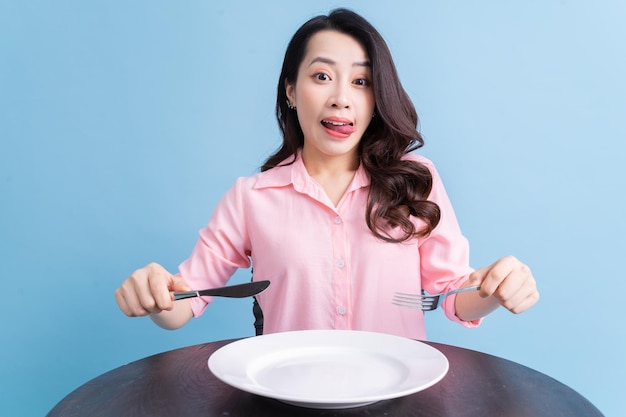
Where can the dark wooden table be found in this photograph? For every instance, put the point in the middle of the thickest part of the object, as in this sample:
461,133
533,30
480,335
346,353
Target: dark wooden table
179,383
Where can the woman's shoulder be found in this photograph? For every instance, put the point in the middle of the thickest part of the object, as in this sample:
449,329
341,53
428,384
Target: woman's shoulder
274,177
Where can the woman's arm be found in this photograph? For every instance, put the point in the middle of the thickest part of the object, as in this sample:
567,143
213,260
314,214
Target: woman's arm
507,282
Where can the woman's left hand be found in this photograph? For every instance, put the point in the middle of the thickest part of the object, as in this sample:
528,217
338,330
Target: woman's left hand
510,282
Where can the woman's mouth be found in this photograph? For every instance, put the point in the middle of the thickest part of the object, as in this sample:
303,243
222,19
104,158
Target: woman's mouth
341,127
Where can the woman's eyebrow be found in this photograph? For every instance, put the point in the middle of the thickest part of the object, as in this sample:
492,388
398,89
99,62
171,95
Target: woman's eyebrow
331,62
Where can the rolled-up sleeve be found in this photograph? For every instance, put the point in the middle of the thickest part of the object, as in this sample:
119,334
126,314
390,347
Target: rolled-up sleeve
444,254
222,247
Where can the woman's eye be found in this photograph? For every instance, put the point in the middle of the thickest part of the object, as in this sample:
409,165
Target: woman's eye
364,82
322,77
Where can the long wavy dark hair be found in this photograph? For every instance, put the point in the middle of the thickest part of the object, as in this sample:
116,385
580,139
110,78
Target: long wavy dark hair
398,187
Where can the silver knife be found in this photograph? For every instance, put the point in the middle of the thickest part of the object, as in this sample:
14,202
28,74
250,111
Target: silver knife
233,291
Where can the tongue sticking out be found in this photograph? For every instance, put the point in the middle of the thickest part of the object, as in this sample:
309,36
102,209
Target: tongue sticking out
342,128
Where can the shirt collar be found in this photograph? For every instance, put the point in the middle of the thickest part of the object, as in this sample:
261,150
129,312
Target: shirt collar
296,174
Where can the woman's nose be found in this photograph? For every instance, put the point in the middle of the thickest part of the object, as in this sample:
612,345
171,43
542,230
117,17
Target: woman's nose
340,97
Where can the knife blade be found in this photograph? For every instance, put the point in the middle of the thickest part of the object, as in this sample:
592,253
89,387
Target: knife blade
232,291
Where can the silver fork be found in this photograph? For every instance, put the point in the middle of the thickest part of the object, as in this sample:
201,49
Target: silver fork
425,301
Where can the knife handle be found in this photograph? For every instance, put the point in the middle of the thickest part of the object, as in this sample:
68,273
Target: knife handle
181,295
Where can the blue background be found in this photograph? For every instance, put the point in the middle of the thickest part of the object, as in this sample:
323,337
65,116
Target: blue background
122,123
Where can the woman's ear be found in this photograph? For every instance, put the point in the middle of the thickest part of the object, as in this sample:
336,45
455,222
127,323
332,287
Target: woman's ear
290,90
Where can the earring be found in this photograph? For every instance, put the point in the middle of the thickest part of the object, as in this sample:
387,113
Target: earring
291,106
373,115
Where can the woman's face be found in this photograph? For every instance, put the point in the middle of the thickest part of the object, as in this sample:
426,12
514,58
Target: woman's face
334,97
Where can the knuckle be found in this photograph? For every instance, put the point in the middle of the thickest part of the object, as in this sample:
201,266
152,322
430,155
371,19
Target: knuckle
513,308
149,305
133,279
509,260
153,267
502,294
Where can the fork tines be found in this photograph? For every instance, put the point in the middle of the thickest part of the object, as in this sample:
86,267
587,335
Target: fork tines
415,301
426,302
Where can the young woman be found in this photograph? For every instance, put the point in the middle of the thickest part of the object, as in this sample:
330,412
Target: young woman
343,215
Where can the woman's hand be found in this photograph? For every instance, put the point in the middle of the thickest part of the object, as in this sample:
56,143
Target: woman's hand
147,291
510,282
506,282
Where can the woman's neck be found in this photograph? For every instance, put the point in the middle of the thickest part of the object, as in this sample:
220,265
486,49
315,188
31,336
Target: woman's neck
329,166
334,174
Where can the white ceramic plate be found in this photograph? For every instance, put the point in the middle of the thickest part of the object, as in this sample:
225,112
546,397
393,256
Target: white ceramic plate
329,368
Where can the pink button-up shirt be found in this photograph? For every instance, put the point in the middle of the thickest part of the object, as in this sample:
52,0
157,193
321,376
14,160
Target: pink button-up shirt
327,270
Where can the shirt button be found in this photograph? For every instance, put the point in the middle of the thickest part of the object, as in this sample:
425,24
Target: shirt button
337,220
341,263
342,310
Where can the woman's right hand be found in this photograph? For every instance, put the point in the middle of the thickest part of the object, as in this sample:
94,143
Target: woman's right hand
147,291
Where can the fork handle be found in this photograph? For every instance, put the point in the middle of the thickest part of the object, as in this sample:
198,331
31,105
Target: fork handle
472,288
